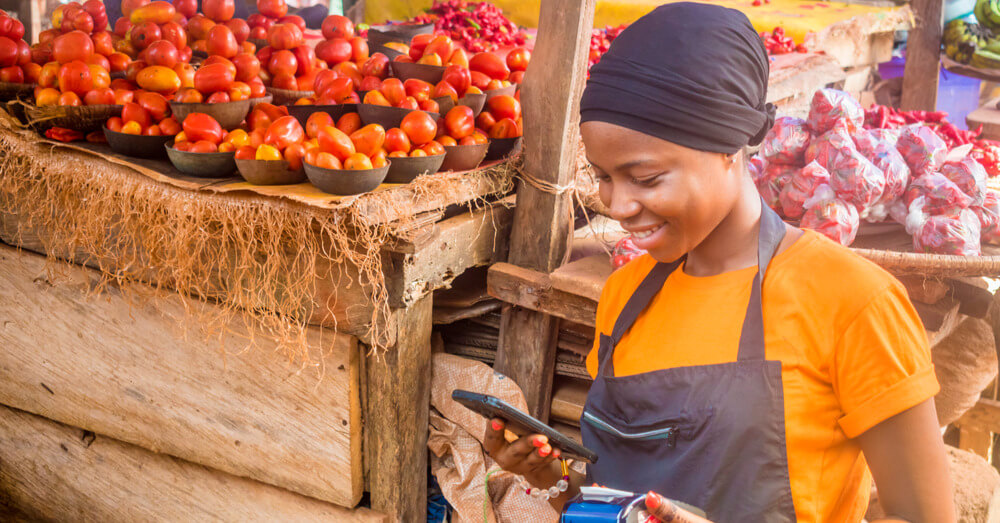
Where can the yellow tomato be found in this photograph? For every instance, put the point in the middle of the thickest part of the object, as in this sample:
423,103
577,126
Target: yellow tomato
267,152
237,137
159,79
227,147
311,143
132,127
47,96
180,137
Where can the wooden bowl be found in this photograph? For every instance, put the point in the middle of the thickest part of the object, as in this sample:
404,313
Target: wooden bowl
476,102
343,182
202,165
387,117
13,91
287,96
463,157
404,170
229,114
509,90
387,51
137,146
84,118
302,112
503,147
383,34
266,99
269,172
428,73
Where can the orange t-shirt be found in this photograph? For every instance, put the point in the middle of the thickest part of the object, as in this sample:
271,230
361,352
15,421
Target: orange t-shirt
852,348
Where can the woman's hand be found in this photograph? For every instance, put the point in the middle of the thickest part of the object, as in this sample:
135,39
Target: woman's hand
529,456
665,511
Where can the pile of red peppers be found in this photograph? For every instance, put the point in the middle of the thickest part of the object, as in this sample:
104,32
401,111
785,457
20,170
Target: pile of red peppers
777,42
478,26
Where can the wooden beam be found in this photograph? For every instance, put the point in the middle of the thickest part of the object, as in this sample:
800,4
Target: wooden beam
542,223
984,416
923,54
398,401
55,472
533,290
125,369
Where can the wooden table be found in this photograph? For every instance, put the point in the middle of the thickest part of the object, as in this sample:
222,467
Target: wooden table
100,359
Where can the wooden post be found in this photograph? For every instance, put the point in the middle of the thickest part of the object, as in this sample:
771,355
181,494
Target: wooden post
399,396
923,55
541,230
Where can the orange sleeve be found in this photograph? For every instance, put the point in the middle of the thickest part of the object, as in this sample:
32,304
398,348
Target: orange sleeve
882,363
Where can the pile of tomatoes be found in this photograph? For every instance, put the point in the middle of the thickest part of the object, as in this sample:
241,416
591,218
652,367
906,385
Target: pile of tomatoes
269,13
460,128
221,80
15,54
501,117
148,115
393,93
202,134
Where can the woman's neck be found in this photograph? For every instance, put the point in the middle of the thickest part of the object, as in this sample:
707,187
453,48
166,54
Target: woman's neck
733,244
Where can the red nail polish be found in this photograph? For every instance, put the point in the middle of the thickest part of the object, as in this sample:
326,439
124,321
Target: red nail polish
496,425
544,452
652,500
539,441
556,453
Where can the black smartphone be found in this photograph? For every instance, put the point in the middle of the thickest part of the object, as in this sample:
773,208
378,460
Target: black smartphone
521,423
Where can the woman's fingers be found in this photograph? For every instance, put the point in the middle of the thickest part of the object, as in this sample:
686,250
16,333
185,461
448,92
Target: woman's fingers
667,512
540,457
494,442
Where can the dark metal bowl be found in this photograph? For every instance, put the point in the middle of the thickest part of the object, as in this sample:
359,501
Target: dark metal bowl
404,170
472,101
202,165
406,70
503,147
343,182
387,51
463,157
137,146
229,114
269,172
302,112
383,34
387,117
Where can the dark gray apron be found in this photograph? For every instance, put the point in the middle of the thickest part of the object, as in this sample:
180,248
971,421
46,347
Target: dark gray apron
709,435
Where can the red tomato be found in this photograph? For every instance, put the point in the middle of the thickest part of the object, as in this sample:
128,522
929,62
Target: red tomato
447,141
218,10
397,141
443,89
169,126
293,19
216,59
479,80
419,127
247,152
247,66
213,78
75,77
377,66
504,106
338,88
316,122
272,8
74,45
220,97
200,126
336,26
430,106
369,139
409,103
257,89
264,114
152,130
370,83
393,91
103,43
133,112
9,53
285,36
283,62
123,96
358,162
294,154
359,50
505,128
142,35
222,42
284,132
335,142
123,26
240,91
188,8
158,12
155,104
349,122
418,89
204,146
376,98
418,44
83,22
183,146
162,52
489,64
115,124
442,46
199,26
31,72
460,122
350,70
432,148
517,59
240,29
13,74
334,51
485,120
305,57
459,78
328,161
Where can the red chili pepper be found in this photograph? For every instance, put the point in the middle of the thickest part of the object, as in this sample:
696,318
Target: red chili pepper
63,134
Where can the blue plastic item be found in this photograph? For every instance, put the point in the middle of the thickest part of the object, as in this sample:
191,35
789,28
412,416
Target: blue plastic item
957,94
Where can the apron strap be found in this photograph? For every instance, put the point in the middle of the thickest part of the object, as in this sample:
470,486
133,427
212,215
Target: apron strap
636,303
772,232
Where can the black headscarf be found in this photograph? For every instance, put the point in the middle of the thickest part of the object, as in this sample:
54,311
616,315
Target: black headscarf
692,74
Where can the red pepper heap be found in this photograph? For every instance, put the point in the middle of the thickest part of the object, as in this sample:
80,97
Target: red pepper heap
478,26
777,42
986,152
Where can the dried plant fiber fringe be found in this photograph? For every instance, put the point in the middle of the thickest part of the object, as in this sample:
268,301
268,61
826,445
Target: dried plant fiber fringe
265,256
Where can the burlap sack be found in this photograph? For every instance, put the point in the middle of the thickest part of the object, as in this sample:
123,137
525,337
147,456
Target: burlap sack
457,456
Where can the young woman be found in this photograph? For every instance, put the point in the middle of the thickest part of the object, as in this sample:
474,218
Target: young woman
744,366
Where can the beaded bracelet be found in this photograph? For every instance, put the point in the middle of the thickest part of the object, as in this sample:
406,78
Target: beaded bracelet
552,492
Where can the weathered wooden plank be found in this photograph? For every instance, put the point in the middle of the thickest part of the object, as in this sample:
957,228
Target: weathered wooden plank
923,54
541,232
584,277
396,417
973,295
984,416
568,399
458,243
126,370
55,472
533,290
922,289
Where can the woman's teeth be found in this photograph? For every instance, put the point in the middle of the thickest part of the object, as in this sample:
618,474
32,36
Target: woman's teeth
644,234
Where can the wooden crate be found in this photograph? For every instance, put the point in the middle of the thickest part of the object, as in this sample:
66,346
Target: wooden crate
55,472
125,370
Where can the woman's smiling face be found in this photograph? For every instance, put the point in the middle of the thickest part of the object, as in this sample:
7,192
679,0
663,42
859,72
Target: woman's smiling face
669,197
